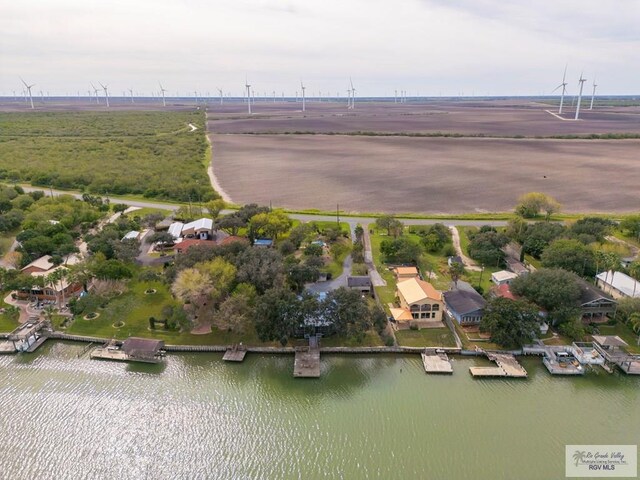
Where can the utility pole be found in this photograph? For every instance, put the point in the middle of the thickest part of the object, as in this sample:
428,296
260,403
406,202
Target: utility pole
338,215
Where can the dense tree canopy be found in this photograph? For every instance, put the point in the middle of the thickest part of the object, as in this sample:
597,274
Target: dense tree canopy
511,323
555,290
400,250
570,255
486,247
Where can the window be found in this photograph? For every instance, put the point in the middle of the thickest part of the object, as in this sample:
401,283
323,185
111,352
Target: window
426,308
436,307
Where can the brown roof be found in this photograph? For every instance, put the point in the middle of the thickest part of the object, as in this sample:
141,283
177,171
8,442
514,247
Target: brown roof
185,245
504,291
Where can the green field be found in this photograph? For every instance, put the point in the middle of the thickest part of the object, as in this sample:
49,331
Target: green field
154,154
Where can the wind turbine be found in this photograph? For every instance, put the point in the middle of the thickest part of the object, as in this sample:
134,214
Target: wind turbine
106,93
248,87
131,92
593,94
95,92
28,87
581,82
395,96
162,90
274,96
353,94
221,96
563,85
303,89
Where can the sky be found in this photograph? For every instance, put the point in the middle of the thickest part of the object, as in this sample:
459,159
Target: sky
425,47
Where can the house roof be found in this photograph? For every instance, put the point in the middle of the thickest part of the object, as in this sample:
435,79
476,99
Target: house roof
231,239
590,293
400,314
175,229
41,263
164,224
359,281
57,286
141,346
414,290
464,301
200,224
516,266
621,282
504,291
187,243
610,341
406,271
503,276
132,235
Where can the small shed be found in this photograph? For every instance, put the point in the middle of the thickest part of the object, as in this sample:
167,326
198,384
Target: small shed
143,349
132,235
502,277
362,283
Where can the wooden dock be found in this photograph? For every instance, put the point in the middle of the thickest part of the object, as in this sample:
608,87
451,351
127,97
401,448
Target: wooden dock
35,345
436,362
507,366
7,348
235,354
307,363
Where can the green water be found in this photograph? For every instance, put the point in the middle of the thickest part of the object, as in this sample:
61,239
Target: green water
367,417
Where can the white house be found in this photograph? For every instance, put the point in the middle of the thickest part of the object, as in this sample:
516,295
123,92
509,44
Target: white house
201,229
618,284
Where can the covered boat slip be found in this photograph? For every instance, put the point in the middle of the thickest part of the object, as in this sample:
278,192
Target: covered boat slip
133,349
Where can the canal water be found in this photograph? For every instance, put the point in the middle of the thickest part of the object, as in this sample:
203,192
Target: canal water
371,416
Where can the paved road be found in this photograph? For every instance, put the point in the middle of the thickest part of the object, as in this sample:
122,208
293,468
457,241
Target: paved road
351,220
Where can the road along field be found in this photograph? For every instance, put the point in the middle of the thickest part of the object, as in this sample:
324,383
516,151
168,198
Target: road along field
430,175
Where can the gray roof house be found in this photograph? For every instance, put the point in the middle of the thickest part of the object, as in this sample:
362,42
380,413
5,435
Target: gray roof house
465,305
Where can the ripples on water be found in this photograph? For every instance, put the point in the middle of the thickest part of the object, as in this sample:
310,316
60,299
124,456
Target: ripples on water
367,417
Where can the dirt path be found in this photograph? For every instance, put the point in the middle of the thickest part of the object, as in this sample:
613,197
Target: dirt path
468,263
212,176
376,278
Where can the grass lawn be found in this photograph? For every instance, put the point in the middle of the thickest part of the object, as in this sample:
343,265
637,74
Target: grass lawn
624,332
5,243
371,339
426,337
632,240
386,294
533,261
135,307
8,321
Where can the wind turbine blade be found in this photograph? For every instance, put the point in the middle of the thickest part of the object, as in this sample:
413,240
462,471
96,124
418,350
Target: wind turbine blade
22,80
564,76
559,86
351,82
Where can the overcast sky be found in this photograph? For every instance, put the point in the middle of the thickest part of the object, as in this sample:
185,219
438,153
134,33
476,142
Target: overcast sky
427,47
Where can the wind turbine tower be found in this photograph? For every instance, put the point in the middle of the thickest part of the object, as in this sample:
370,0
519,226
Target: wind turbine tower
28,87
581,82
221,96
95,92
248,87
353,94
131,92
563,85
303,88
106,93
162,90
593,94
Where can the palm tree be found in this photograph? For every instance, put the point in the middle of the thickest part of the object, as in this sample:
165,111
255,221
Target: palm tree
634,321
578,456
634,271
